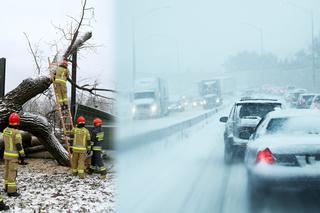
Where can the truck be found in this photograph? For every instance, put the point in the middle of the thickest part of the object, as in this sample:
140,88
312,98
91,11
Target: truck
150,98
213,90
210,92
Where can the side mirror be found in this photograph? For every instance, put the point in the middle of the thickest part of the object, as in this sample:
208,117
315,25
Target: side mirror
223,119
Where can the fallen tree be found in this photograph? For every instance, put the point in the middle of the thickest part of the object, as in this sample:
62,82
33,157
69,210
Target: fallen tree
35,124
29,88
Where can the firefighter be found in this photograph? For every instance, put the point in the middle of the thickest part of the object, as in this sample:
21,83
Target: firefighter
60,80
13,149
3,206
97,139
80,147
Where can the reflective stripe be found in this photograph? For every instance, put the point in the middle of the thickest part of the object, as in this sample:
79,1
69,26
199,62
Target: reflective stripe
103,169
74,170
97,148
21,152
12,184
11,154
100,136
79,148
61,81
80,171
9,134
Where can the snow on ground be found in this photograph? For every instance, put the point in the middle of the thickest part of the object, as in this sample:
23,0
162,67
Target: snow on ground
48,187
185,173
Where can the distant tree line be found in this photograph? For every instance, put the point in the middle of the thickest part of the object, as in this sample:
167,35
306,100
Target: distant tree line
247,60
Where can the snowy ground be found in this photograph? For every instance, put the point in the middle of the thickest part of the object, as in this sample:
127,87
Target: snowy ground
47,187
186,173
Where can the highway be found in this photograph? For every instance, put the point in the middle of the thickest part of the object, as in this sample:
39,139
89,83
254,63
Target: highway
186,173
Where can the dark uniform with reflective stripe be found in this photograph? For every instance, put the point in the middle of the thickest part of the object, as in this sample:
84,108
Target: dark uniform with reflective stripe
80,147
13,149
97,136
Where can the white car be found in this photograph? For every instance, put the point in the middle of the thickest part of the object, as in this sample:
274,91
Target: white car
284,153
315,104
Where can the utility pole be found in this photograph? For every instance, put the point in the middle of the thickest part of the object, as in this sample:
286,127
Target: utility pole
313,53
2,76
73,87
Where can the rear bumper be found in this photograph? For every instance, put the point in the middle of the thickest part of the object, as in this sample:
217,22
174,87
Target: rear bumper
283,178
239,145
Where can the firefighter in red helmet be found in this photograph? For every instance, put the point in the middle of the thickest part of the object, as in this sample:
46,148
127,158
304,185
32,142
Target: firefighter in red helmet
13,149
97,136
80,146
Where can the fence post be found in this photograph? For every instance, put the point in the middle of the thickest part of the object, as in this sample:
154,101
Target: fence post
2,76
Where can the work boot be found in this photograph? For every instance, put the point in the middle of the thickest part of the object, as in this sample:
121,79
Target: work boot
22,162
3,206
14,194
89,171
103,177
81,175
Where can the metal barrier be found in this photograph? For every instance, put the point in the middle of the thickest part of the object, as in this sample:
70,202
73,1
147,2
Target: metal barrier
139,140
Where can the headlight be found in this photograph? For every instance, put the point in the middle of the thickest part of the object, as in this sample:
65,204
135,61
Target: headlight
134,109
153,108
218,100
204,102
194,103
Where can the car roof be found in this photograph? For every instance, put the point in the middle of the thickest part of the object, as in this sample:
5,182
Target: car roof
308,94
293,113
257,100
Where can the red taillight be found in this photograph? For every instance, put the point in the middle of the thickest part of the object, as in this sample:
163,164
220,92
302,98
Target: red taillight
265,156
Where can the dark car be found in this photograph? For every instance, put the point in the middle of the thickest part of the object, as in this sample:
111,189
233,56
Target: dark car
244,117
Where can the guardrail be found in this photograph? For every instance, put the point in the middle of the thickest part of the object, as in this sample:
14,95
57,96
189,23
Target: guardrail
139,140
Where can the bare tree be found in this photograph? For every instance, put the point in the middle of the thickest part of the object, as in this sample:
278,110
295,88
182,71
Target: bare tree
30,90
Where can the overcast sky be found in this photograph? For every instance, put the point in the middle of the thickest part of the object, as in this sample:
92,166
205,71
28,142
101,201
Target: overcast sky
35,17
174,36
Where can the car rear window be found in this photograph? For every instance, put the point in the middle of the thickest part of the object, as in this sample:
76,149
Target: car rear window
256,109
294,125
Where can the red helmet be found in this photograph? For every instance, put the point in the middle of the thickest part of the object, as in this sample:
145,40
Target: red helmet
81,120
14,119
64,63
97,122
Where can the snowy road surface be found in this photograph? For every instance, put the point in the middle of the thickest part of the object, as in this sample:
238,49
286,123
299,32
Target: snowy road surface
46,187
186,173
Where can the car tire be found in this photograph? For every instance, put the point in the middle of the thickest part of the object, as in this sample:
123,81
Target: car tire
228,154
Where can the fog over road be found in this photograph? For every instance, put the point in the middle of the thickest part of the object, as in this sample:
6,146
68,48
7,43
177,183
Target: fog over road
186,173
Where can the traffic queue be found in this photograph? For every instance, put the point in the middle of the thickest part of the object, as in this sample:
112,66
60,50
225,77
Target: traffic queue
278,142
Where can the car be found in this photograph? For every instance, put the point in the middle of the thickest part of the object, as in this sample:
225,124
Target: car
315,103
244,116
284,153
176,107
305,100
292,96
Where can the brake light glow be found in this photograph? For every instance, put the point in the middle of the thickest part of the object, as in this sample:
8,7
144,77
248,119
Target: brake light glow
265,156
